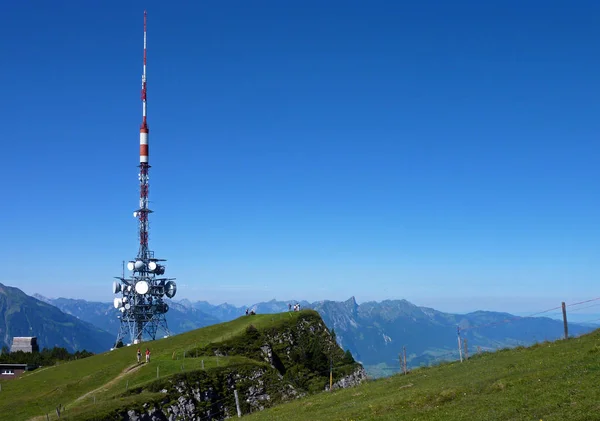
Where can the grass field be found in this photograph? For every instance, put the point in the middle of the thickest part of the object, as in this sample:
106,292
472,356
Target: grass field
549,382
104,378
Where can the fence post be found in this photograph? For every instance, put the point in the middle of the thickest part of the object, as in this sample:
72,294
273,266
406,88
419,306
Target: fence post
466,349
237,403
404,355
459,344
400,361
564,310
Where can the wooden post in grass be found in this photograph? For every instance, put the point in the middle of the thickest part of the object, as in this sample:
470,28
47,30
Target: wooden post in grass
400,361
330,373
466,349
237,403
404,367
459,344
564,309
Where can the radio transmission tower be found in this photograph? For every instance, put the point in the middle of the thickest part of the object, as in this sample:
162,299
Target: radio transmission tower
141,295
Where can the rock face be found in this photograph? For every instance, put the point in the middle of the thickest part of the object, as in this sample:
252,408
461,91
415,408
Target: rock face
285,363
351,380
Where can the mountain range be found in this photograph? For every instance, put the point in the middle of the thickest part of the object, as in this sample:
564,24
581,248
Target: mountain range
375,332
22,315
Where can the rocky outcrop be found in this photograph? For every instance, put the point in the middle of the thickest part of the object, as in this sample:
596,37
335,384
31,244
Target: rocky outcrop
284,363
351,380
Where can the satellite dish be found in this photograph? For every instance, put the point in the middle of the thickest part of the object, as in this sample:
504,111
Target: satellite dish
138,264
116,287
127,306
135,214
122,309
118,302
152,266
142,287
170,289
130,266
125,299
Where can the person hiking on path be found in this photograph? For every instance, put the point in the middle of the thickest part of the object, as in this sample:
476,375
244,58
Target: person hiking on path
147,355
289,307
246,312
139,356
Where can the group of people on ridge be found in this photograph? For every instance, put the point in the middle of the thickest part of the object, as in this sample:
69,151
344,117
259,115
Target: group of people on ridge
139,355
296,307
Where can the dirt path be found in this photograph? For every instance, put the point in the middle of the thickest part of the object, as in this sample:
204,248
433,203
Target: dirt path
105,386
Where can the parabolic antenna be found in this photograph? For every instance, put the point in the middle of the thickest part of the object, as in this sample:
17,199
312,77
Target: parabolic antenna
135,214
142,287
138,264
170,289
122,309
127,306
116,287
118,302
130,266
152,266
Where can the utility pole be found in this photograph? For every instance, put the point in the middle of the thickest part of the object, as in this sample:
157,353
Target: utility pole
404,359
237,403
564,310
330,373
459,344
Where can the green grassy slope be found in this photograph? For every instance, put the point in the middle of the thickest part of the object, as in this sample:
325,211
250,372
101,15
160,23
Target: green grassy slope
549,382
105,376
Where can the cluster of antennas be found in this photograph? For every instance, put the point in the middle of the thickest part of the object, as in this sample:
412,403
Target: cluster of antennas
152,267
143,291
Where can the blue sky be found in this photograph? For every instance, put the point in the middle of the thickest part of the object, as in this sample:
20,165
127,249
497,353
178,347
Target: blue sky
442,152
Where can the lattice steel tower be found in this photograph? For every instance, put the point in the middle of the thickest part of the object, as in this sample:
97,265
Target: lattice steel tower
141,300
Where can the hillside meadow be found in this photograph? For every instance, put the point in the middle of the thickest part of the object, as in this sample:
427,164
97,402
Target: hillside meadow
549,381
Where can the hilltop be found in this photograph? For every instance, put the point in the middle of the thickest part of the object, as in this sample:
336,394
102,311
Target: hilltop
268,359
550,381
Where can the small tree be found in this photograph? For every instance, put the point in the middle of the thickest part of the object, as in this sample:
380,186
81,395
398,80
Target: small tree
348,358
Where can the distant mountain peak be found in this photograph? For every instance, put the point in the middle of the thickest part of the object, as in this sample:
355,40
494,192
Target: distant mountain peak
41,298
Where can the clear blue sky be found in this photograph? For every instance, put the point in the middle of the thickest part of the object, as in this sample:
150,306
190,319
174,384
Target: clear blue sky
442,152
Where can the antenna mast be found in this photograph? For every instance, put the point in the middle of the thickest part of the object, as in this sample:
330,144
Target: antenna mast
142,305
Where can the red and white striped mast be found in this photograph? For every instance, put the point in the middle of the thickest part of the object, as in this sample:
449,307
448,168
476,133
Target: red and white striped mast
144,164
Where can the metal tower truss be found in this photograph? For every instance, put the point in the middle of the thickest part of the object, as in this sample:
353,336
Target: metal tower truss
141,301
142,304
